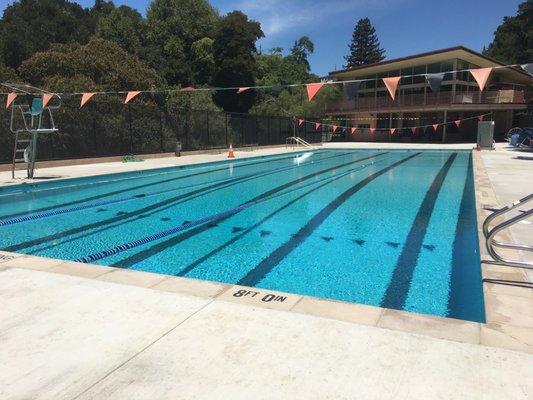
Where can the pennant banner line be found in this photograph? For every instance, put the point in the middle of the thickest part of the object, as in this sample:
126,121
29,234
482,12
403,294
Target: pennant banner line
435,126
315,85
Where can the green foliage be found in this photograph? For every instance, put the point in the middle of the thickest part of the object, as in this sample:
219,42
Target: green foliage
234,54
125,27
301,50
194,100
29,26
173,27
8,74
513,40
203,60
365,47
97,65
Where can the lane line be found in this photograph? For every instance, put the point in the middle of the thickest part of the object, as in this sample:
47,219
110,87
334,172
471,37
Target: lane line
398,288
264,267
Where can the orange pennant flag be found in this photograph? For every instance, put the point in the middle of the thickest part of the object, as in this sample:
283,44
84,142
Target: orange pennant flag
435,127
85,97
300,122
312,89
317,125
353,130
334,128
392,130
188,89
413,129
46,98
481,75
457,123
242,89
10,99
130,96
480,118
392,84
372,130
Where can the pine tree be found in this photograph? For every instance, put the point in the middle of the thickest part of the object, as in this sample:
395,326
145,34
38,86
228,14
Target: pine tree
365,47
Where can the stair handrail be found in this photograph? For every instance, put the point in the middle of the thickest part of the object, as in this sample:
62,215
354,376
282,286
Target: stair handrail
490,234
299,140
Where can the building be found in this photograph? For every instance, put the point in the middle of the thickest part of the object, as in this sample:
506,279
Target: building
505,97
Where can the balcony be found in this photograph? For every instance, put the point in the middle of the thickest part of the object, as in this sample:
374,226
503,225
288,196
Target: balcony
428,100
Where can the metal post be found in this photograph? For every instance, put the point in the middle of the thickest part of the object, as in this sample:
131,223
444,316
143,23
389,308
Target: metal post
161,131
444,126
131,132
207,128
227,144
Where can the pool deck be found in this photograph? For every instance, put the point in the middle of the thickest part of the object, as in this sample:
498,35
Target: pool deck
78,331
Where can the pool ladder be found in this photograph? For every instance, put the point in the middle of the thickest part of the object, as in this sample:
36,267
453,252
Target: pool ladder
490,234
298,141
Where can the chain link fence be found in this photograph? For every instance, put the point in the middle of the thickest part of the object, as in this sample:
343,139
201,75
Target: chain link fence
108,128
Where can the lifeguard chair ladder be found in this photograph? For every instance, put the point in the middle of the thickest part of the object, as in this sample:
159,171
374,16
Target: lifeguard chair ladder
27,123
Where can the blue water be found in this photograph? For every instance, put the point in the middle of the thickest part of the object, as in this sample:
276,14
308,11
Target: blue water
395,229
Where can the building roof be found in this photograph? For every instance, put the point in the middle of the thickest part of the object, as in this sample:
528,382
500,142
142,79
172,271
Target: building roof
460,52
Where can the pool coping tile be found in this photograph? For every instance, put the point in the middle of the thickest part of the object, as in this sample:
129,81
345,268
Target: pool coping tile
496,332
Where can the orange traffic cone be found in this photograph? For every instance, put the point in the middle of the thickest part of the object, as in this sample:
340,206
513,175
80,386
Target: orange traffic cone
230,152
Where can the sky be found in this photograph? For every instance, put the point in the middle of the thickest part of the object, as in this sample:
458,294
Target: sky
404,27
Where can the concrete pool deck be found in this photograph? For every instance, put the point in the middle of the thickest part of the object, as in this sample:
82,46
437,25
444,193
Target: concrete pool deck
74,331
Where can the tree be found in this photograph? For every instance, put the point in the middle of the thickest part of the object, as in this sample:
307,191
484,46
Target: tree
7,74
173,27
301,50
97,65
126,27
233,51
513,39
203,61
365,47
30,26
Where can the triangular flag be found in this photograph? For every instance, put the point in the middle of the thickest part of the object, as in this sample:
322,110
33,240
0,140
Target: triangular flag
351,89
353,130
528,68
435,81
372,130
188,89
46,98
457,123
317,125
300,122
481,75
392,84
413,129
334,128
10,99
85,97
130,96
480,118
242,89
392,130
435,127
312,89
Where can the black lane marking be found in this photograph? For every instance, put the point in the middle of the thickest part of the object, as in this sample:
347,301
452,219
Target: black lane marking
172,201
465,277
398,287
264,267
129,189
360,242
262,233
160,206
142,255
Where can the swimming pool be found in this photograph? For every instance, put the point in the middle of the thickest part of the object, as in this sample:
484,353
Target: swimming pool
395,229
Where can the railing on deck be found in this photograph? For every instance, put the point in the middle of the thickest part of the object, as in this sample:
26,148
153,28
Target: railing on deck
427,100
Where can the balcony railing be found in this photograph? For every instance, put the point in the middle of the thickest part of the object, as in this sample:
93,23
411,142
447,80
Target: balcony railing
427,100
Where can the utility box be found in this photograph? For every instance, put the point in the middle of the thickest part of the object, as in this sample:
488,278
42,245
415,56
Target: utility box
485,135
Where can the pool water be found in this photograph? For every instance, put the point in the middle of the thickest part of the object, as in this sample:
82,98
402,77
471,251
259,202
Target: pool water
395,229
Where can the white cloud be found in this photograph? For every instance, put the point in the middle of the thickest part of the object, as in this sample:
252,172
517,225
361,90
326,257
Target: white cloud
279,16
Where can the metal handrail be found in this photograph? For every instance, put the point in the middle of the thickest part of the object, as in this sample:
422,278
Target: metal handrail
491,243
299,140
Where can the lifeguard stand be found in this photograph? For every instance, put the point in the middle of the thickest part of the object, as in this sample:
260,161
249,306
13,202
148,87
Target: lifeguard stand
29,119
